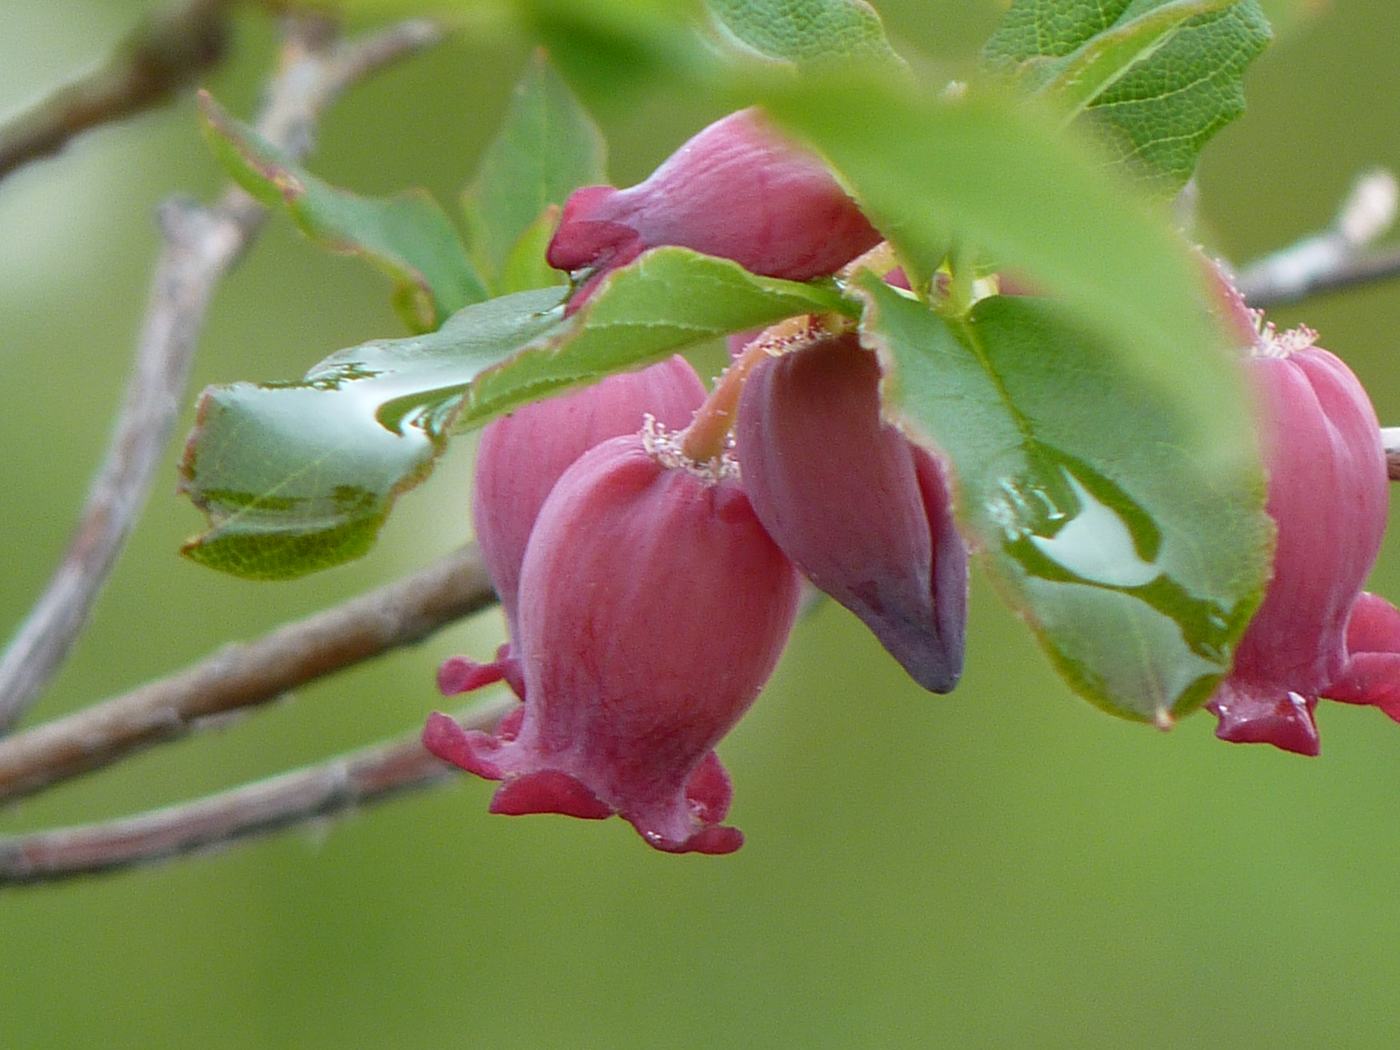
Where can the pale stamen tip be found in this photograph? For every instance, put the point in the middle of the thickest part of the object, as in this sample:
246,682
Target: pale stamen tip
665,447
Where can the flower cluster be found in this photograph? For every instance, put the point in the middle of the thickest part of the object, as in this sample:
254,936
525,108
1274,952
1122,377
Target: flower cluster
647,565
648,540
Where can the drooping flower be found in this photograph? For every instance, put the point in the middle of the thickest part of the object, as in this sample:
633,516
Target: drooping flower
652,608
1328,497
522,455
737,190
860,509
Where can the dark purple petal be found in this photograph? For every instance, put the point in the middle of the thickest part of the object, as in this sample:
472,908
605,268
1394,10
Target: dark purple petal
860,510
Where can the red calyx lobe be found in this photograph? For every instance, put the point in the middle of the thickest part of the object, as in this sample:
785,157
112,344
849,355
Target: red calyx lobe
1372,672
737,190
522,455
652,609
862,511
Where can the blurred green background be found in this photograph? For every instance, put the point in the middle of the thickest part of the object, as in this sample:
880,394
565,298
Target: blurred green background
1002,867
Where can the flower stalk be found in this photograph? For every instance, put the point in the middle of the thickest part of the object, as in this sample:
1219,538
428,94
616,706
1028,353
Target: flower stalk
708,435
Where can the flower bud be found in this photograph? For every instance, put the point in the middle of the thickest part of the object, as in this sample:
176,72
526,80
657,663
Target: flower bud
522,455
737,190
652,609
858,507
1327,497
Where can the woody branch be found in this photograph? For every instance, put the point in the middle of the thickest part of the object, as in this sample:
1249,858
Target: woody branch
201,243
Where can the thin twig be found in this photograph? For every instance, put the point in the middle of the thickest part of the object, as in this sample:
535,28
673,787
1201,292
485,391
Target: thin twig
167,51
1390,440
337,786
1335,258
201,244
1369,268
244,675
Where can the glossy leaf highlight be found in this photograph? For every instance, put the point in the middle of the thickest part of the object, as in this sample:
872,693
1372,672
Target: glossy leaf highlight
299,476
1137,557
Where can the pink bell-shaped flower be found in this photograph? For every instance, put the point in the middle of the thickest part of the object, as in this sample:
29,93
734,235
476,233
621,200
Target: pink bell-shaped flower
522,455
860,509
652,609
737,190
1328,498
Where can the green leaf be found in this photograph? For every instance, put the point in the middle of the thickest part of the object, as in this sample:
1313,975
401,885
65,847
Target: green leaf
547,147
409,236
617,52
299,476
998,176
669,299
525,266
1158,110
1079,78
1137,547
806,31
296,477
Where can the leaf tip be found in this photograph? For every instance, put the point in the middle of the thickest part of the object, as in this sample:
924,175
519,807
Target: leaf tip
214,116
